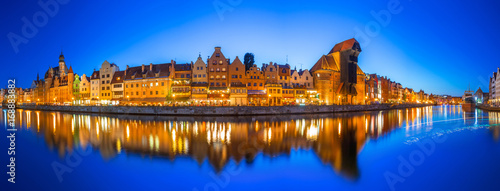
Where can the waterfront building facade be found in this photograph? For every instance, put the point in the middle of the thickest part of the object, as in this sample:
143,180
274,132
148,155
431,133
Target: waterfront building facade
181,83
148,85
95,86
117,87
256,89
199,71
271,73
284,74
85,89
107,71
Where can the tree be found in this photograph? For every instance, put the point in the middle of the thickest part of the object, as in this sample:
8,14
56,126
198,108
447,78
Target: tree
248,61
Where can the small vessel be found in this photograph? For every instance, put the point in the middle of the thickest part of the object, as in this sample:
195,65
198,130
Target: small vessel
468,104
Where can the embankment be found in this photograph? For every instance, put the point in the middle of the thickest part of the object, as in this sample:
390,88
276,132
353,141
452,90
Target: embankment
218,111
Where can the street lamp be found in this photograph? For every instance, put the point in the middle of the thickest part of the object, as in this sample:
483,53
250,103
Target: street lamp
269,100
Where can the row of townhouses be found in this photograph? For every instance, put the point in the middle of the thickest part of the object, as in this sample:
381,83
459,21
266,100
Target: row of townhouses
336,78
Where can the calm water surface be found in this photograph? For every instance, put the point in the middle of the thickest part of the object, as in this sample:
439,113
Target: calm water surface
430,148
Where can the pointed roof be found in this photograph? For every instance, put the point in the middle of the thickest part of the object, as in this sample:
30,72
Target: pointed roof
237,61
61,57
345,45
326,62
70,69
199,61
479,91
218,51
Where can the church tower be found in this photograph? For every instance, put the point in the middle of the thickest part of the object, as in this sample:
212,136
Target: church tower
62,65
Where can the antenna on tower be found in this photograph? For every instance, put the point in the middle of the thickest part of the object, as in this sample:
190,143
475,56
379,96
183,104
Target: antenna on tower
286,59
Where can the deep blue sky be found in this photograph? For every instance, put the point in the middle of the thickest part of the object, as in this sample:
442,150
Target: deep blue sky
437,46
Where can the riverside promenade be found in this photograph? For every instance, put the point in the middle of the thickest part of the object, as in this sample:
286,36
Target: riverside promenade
218,111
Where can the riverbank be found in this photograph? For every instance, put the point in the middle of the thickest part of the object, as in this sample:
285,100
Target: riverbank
488,108
218,111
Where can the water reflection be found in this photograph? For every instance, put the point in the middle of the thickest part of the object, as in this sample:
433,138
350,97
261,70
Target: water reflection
336,139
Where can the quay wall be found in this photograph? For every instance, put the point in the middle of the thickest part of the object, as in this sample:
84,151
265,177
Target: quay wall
218,111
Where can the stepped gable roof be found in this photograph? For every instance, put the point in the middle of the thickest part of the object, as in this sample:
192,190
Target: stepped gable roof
118,77
345,45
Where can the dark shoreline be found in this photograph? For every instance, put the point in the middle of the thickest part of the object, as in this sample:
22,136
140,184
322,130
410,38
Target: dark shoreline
219,111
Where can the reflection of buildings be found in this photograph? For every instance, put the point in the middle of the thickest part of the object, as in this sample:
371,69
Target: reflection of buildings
336,139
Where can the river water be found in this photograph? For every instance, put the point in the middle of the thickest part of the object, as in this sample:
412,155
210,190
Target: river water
428,148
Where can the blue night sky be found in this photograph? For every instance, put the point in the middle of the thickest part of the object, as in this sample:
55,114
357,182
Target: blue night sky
437,46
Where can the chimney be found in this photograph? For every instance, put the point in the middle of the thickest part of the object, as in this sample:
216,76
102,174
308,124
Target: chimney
150,66
142,68
125,72
173,62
